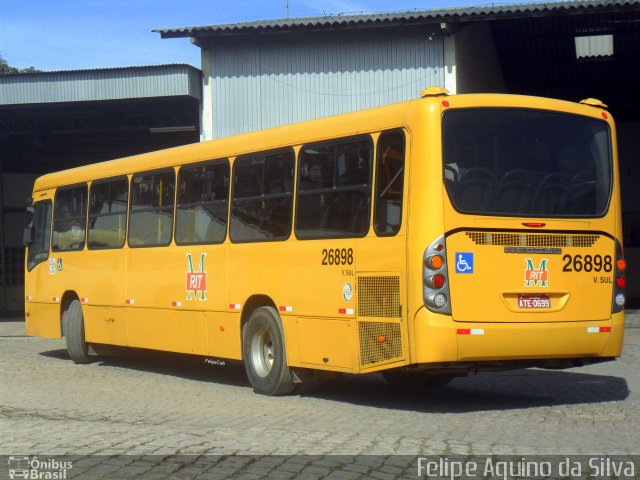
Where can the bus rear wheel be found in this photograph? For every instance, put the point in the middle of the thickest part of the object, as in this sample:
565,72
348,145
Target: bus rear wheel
73,321
264,353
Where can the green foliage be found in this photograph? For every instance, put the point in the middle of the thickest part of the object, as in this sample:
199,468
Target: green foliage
5,68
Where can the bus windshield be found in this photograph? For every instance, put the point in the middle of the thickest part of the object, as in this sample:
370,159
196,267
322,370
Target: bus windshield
526,163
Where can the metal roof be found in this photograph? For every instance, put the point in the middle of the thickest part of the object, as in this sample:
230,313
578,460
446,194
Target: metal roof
461,14
100,84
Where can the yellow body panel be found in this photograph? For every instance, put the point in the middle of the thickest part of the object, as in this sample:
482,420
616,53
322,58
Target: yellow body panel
439,341
496,289
43,320
365,316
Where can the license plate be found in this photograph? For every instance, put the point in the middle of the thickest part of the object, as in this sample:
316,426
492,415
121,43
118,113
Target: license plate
534,301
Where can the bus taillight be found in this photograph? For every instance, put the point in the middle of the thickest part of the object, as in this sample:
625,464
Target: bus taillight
435,282
438,281
621,264
619,299
436,262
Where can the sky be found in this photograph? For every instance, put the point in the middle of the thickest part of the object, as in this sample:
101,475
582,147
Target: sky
55,35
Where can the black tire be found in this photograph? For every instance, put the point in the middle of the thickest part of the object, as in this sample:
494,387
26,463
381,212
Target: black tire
73,322
420,380
263,349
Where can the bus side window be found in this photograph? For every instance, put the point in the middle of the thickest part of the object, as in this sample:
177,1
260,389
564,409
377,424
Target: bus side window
108,202
334,189
40,225
69,219
262,197
389,183
203,197
151,211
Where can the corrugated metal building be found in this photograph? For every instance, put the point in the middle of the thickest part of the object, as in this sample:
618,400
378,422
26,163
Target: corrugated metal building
267,73
261,81
55,120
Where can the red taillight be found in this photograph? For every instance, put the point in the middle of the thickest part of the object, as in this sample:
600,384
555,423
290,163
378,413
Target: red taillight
621,282
621,264
434,276
438,281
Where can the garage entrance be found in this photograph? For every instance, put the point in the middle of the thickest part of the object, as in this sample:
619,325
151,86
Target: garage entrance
58,120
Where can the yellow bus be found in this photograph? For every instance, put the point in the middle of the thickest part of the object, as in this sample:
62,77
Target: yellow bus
425,239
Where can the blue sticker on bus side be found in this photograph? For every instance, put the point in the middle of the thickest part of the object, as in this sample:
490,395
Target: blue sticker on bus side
464,262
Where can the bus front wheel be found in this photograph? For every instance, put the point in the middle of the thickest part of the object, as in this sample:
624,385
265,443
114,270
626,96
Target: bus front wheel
264,353
73,322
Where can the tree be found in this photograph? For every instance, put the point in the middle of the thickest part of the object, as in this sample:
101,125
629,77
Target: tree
5,68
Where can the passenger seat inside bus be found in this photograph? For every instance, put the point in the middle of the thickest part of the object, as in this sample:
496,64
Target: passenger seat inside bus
514,193
551,195
475,190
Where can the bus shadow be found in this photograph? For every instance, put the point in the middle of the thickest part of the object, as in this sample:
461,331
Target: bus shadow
527,388
483,392
190,367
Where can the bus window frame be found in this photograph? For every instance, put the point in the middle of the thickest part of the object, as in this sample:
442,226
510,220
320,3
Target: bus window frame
129,210
126,227
337,141
375,192
48,250
264,153
613,171
85,216
223,160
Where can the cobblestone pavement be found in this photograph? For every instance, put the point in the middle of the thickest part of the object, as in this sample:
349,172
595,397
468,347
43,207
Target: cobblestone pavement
150,403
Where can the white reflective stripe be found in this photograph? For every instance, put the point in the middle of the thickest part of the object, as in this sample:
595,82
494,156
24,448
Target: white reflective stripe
477,331
235,306
176,304
84,300
129,302
593,329
56,299
349,311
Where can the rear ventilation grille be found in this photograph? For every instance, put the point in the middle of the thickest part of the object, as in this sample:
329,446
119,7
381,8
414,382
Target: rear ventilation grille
379,297
379,342
532,240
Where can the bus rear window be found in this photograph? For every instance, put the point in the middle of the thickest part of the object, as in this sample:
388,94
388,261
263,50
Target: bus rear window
526,163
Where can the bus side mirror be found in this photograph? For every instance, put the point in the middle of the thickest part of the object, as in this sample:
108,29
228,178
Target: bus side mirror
27,236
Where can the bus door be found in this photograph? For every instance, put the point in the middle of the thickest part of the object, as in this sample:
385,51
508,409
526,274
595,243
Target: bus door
42,312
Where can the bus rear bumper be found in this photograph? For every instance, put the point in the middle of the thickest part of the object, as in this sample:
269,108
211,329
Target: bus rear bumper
438,338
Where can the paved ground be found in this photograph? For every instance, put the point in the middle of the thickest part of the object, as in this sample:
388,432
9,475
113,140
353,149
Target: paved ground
161,404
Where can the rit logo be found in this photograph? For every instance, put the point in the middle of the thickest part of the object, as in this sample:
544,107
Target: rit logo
536,277
196,281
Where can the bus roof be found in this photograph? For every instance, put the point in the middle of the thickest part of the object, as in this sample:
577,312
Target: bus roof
363,121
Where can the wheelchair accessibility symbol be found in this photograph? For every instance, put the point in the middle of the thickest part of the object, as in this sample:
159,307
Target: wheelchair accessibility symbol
464,262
